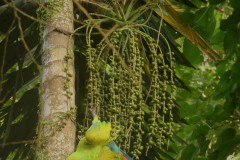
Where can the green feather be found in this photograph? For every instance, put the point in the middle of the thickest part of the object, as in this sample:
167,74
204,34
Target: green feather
93,145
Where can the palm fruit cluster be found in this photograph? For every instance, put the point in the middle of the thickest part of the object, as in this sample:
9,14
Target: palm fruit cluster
131,84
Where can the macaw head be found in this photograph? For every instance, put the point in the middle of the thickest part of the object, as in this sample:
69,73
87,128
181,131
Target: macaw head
99,132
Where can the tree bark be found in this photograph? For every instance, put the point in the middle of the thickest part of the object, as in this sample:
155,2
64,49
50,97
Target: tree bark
56,134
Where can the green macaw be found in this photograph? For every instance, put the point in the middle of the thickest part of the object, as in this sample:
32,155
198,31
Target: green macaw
97,144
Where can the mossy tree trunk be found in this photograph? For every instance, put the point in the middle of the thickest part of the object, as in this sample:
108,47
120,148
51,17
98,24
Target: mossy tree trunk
56,126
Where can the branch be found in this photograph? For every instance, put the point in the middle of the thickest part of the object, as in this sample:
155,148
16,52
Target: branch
93,112
23,4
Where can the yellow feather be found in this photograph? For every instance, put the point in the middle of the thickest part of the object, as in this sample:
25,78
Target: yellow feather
107,154
99,134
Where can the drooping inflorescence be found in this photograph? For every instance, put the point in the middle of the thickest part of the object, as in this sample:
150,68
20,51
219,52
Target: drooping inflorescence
130,82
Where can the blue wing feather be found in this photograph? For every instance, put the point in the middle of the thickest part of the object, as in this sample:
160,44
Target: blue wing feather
126,155
95,124
113,147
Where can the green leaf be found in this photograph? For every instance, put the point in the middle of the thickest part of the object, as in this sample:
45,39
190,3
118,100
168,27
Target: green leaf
194,119
231,43
226,142
189,152
235,3
203,144
237,156
224,85
216,1
235,73
192,53
28,74
221,67
232,23
206,22
226,135
23,125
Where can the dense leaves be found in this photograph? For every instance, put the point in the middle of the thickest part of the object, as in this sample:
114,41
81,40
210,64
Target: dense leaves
211,109
19,76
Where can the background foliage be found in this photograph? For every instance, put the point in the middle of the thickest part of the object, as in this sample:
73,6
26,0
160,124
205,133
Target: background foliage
211,108
208,102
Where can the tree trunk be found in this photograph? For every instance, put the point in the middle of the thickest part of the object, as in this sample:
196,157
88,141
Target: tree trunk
56,134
